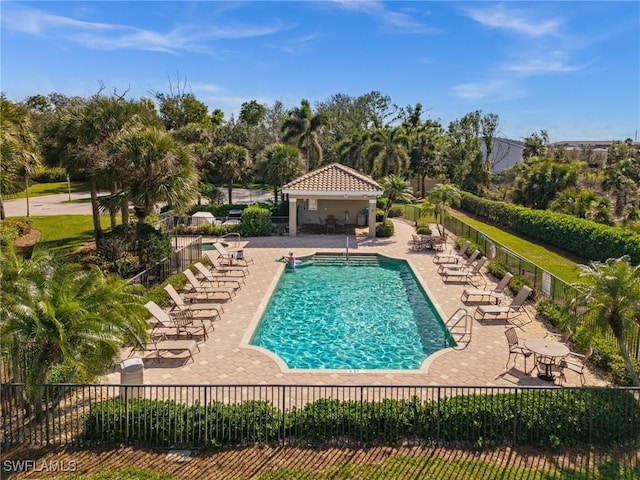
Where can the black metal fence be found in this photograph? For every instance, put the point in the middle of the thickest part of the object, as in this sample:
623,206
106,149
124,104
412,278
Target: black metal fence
549,285
206,415
188,250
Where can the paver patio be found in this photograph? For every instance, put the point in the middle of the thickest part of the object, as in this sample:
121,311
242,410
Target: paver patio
224,360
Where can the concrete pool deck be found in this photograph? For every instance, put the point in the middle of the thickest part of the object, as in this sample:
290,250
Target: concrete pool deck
225,359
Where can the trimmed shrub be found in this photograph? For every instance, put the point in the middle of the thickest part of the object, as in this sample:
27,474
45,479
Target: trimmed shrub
386,230
424,230
395,212
379,214
159,295
22,225
582,237
50,175
548,418
205,229
256,221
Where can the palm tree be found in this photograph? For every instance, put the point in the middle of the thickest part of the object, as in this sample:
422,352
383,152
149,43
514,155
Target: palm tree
440,197
19,150
155,169
227,164
56,314
279,165
612,295
387,151
302,128
352,151
395,188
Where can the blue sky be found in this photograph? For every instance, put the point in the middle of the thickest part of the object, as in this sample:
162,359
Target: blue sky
572,68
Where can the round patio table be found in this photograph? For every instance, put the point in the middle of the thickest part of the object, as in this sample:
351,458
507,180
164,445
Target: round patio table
549,349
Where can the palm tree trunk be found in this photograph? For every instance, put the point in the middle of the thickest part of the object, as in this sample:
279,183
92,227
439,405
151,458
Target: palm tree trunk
275,194
2,214
97,228
230,192
124,209
627,361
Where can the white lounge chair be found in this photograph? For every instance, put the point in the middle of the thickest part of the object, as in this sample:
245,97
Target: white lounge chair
208,290
232,256
467,264
181,321
452,256
236,282
225,269
464,275
505,312
496,294
213,309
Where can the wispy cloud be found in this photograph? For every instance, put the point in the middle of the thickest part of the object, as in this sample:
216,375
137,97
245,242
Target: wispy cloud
107,36
516,20
296,46
392,20
555,62
497,90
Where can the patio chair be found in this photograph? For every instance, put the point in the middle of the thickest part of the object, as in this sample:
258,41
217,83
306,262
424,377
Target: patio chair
515,348
416,243
496,294
224,269
231,256
562,337
209,290
162,344
505,312
181,321
577,366
452,256
235,282
463,275
467,264
214,309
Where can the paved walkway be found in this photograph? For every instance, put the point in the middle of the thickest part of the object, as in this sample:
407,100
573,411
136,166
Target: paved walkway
225,357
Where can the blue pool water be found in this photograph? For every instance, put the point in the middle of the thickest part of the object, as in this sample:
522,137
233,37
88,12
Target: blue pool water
368,313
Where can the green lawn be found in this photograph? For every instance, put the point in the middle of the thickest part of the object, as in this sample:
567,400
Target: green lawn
560,264
65,232
40,189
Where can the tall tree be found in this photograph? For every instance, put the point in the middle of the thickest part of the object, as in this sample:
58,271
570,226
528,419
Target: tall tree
387,151
541,180
279,164
227,164
157,169
252,113
612,294
301,129
19,150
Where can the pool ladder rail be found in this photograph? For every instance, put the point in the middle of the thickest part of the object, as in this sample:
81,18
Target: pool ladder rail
460,326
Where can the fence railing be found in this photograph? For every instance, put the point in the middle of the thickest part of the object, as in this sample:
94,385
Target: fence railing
188,250
205,415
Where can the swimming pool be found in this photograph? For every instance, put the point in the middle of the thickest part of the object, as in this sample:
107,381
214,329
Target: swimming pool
366,313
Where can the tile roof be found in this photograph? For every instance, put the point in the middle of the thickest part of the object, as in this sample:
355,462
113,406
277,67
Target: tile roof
334,177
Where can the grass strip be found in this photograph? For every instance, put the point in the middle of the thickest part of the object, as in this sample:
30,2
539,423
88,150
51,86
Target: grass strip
41,189
560,264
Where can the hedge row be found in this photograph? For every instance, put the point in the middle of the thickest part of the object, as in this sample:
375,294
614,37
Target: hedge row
582,237
537,417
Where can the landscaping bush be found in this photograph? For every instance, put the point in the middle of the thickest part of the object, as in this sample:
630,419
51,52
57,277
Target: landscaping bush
205,229
22,225
497,268
379,214
256,221
159,295
50,175
424,230
582,237
395,212
384,230
471,248
219,210
548,418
